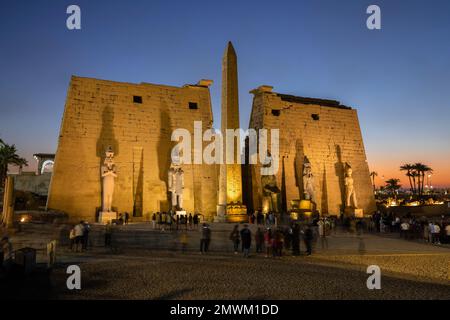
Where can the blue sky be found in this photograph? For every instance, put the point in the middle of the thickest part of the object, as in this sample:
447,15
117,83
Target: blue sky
397,77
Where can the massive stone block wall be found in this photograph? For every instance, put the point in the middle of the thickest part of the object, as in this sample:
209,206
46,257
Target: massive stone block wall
101,113
324,131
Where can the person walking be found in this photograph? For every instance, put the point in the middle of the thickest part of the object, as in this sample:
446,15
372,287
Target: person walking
246,237
205,239
308,238
235,238
127,217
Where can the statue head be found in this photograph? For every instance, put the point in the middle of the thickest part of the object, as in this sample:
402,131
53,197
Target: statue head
348,170
175,156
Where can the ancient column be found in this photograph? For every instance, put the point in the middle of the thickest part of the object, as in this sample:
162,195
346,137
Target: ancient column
8,203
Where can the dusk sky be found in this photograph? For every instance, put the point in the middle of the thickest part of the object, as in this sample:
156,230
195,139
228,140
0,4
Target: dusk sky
397,78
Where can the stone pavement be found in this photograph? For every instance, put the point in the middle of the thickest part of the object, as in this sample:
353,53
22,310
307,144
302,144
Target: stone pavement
410,270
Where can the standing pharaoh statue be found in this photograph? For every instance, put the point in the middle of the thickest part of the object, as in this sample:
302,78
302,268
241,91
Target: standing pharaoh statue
271,192
308,181
350,194
108,176
176,181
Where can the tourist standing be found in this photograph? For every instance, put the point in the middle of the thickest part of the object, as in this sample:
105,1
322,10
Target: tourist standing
246,237
308,238
404,227
235,238
169,220
163,220
196,221
79,230
295,239
268,241
127,217
259,240
190,221
277,244
436,233
72,237
322,234
154,221
205,239
86,230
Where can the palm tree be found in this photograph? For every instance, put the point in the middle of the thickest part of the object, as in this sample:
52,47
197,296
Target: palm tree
393,185
421,169
8,156
373,174
409,168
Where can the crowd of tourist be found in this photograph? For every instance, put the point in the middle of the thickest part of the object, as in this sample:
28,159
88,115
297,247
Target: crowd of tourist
171,220
436,231
274,239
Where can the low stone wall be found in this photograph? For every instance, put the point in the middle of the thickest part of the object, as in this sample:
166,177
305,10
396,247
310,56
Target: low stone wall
32,183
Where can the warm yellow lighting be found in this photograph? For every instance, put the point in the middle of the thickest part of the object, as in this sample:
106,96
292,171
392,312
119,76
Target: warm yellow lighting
305,204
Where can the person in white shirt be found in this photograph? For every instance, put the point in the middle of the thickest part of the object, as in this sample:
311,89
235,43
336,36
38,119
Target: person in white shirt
404,228
436,233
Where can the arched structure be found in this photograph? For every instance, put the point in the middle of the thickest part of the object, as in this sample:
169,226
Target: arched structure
43,160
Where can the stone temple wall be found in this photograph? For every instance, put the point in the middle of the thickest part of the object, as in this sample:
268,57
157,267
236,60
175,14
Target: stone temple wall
324,131
101,113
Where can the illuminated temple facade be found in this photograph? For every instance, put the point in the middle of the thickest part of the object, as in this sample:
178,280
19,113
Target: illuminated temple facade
137,120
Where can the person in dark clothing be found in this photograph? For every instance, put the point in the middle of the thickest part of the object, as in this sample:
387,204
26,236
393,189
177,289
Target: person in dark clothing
308,238
127,217
190,220
246,237
205,239
296,239
108,234
195,220
259,240
235,238
259,217
86,230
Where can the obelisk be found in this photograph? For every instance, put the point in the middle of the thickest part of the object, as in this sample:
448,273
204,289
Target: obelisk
230,179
